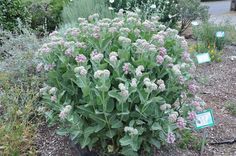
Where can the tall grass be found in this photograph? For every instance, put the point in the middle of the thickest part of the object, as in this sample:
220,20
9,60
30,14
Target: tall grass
206,31
84,8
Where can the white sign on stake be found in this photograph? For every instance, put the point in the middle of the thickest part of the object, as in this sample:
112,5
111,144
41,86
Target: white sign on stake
204,119
220,34
203,58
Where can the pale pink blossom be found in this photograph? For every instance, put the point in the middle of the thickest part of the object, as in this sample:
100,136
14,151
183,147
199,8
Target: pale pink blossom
181,123
80,58
170,138
53,98
191,115
126,68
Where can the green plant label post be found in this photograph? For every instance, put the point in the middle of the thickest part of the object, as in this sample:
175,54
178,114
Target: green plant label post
204,119
203,58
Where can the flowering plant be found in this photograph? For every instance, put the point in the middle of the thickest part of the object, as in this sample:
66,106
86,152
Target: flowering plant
119,85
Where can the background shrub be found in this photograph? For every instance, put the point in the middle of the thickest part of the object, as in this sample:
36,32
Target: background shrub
85,8
190,10
18,51
165,9
45,14
11,10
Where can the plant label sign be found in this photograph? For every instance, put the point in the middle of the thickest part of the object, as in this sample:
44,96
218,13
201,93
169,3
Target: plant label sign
204,119
203,58
194,23
220,34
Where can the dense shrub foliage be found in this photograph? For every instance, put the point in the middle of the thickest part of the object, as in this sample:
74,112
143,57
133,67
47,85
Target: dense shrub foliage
45,15
165,9
119,85
11,10
18,52
84,8
190,10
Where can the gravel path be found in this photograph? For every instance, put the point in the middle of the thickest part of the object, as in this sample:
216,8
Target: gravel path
218,88
220,12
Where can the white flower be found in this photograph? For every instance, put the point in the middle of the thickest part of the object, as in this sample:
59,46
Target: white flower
96,56
99,74
124,90
153,6
173,117
65,112
134,83
111,1
161,84
122,86
43,90
176,70
81,70
53,91
150,86
110,8
124,40
131,130
165,107
113,57
139,70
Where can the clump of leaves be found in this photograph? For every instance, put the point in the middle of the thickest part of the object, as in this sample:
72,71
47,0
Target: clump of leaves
189,141
11,11
231,107
17,128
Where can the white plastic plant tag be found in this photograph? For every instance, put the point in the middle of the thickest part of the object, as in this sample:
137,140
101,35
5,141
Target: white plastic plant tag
220,34
203,58
204,119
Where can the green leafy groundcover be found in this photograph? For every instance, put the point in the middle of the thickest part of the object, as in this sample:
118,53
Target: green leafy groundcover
119,86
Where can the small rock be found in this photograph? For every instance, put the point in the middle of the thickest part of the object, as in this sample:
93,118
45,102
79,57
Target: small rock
232,58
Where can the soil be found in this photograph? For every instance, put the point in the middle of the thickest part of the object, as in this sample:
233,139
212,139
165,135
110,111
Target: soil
49,143
217,82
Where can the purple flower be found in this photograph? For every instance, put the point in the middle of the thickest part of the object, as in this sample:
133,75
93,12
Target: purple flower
159,59
80,58
74,32
68,52
196,103
181,123
186,56
170,138
162,51
193,88
96,56
191,115
126,68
